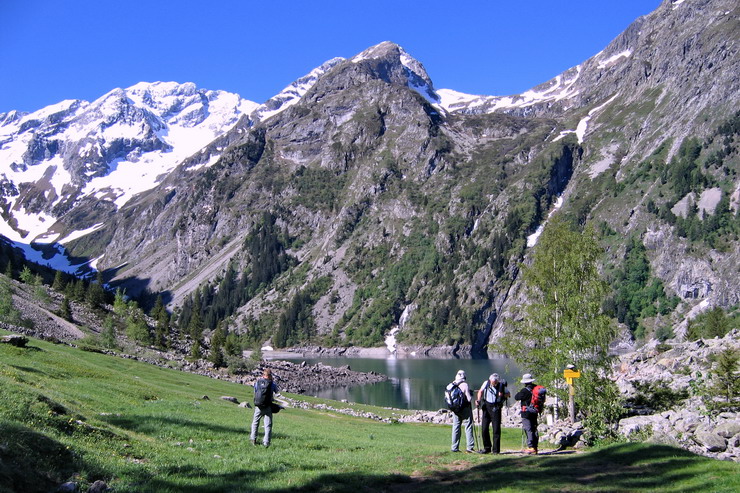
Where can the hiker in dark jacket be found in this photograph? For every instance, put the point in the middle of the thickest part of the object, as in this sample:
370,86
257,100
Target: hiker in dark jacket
529,419
491,397
464,417
264,390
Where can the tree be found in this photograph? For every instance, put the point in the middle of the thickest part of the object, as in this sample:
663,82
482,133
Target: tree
726,384
216,355
96,292
59,283
563,321
109,332
64,310
26,275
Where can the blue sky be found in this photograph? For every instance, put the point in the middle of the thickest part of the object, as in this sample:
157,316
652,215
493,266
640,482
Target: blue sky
51,50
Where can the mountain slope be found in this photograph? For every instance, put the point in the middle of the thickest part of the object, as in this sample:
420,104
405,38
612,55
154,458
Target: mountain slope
362,200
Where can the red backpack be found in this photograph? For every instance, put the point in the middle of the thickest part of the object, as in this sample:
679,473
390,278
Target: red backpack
537,402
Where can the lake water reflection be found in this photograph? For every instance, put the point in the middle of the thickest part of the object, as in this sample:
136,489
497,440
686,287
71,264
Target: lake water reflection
414,383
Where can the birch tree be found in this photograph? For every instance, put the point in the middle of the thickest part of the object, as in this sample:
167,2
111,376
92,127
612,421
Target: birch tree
562,321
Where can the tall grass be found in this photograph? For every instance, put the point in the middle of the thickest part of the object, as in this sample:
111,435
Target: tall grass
67,414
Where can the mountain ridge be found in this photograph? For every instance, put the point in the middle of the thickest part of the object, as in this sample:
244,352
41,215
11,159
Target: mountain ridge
397,196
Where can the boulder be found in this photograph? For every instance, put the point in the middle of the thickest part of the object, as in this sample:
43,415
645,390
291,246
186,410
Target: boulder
15,340
634,424
98,487
728,429
230,399
706,437
68,487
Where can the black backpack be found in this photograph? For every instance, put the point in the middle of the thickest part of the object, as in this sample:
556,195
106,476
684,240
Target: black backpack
263,392
454,397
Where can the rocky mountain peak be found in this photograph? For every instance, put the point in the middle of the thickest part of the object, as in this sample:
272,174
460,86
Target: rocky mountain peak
391,63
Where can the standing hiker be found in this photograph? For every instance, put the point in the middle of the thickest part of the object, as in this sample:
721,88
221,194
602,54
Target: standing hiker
264,389
459,400
528,413
491,396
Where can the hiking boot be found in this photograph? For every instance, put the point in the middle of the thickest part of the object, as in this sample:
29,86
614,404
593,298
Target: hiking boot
254,442
470,451
530,451
483,451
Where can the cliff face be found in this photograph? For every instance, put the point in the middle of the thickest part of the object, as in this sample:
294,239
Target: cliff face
396,208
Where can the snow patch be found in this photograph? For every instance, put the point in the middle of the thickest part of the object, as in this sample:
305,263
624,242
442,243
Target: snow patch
583,124
534,237
614,58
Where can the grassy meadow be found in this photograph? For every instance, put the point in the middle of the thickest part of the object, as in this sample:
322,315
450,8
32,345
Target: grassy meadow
67,414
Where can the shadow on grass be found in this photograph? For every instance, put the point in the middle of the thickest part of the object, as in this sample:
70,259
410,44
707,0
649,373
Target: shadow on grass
32,462
152,425
614,469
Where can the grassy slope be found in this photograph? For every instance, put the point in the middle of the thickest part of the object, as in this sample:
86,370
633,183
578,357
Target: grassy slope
68,414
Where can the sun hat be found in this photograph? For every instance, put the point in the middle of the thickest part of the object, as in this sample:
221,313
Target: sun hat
460,375
527,378
494,376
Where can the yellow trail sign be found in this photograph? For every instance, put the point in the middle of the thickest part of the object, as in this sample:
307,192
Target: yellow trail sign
570,375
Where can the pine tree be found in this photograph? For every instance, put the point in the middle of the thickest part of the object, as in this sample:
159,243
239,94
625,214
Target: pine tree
26,275
65,311
163,329
96,292
216,355
58,284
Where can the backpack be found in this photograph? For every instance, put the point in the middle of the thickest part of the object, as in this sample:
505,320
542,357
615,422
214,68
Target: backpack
500,387
454,397
262,392
537,402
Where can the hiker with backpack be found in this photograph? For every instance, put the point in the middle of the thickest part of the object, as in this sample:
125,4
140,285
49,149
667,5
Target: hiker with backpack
532,398
459,401
264,389
491,397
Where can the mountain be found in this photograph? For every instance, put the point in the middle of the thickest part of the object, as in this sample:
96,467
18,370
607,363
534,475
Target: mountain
361,201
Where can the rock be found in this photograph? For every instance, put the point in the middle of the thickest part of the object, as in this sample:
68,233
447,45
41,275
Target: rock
68,487
230,399
710,440
728,429
15,340
205,398
98,487
245,404
734,441
629,426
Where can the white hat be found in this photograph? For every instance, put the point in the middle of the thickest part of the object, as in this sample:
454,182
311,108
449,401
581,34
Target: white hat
527,378
494,376
460,375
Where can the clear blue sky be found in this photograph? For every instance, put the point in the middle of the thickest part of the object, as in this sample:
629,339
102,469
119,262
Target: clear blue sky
51,50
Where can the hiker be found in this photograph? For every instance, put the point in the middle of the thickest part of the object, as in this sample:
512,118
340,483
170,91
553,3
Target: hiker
264,389
529,418
464,416
491,397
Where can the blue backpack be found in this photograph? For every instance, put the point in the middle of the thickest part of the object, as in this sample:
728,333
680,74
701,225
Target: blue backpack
454,397
262,392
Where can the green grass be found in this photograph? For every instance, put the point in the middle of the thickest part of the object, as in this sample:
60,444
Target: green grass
69,414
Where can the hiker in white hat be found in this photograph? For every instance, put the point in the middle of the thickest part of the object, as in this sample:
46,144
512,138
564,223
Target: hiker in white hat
459,400
529,413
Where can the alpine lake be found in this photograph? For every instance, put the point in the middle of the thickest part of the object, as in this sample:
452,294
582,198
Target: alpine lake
413,382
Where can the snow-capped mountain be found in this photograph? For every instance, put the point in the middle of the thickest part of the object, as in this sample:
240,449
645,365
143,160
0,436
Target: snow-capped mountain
110,149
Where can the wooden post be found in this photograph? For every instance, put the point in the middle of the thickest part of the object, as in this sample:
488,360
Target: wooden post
570,374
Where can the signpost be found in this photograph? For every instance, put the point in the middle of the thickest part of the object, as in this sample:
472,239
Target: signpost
570,373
